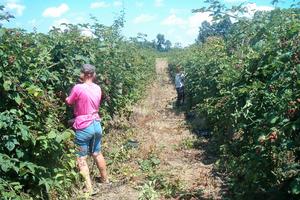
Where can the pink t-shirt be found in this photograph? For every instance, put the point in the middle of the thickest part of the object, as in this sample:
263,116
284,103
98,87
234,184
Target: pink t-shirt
86,97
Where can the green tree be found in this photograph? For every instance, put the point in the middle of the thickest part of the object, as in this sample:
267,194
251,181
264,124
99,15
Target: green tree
220,29
160,42
4,16
205,31
168,45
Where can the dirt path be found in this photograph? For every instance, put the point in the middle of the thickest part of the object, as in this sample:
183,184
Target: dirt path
162,133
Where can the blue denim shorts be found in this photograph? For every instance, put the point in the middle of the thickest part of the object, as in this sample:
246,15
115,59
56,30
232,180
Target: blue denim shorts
88,140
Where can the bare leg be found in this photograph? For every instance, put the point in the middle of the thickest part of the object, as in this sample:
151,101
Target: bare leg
101,164
84,170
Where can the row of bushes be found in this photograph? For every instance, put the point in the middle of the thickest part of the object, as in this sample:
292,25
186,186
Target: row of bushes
37,70
247,87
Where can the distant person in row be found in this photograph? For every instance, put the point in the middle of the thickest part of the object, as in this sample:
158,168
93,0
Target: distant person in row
179,84
86,97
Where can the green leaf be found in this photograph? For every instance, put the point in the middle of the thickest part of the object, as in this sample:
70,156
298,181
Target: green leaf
24,133
10,145
83,58
298,68
6,85
45,182
36,91
295,186
274,120
31,167
18,99
19,153
52,134
4,167
42,137
64,136
16,185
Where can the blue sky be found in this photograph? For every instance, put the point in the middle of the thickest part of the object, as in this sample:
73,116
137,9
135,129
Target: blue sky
173,18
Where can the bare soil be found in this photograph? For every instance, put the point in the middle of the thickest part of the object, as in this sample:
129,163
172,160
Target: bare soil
161,129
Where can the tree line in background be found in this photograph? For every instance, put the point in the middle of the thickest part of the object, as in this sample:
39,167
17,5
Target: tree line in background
160,43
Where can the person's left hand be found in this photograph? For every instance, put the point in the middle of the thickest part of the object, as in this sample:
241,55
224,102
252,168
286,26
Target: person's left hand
61,95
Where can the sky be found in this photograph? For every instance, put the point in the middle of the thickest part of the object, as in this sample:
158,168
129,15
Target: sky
173,18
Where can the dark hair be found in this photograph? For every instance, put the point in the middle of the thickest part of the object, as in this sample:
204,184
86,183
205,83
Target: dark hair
88,69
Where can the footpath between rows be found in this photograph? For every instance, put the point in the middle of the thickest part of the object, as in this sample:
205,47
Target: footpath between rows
167,160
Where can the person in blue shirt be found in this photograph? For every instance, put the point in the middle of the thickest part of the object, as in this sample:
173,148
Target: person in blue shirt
179,85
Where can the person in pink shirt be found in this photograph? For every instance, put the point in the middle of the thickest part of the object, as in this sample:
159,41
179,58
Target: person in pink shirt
86,98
